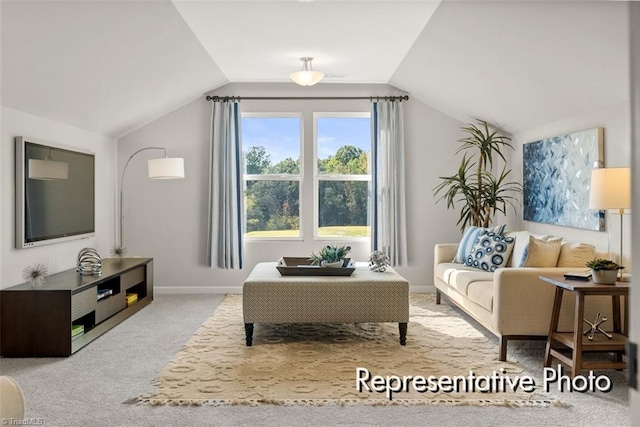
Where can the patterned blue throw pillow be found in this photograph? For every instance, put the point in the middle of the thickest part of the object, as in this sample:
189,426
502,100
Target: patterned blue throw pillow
465,248
490,251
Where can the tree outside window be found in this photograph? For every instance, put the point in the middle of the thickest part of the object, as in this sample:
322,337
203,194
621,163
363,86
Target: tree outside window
342,147
271,151
273,175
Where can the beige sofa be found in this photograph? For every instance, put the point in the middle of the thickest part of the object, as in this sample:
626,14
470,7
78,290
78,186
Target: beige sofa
512,302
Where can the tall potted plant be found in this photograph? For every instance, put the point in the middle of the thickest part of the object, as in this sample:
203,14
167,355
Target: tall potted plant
480,192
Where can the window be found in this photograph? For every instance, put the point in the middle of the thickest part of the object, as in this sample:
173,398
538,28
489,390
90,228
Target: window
343,175
271,146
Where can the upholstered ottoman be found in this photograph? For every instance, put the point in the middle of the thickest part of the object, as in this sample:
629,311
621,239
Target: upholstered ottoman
365,296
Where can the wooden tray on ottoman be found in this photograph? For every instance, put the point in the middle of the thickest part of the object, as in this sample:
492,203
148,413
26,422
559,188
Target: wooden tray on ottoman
300,266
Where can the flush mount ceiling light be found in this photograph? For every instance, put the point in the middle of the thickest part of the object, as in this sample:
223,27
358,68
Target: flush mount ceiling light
306,77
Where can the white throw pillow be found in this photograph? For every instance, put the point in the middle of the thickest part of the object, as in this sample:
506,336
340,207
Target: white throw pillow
520,244
490,252
541,252
469,237
576,254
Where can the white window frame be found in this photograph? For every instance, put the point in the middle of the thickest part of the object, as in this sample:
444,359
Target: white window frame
338,177
279,177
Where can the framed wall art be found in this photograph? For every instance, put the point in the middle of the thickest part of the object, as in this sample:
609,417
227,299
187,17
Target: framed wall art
556,175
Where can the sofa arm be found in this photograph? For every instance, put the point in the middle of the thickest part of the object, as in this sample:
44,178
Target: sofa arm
444,252
522,302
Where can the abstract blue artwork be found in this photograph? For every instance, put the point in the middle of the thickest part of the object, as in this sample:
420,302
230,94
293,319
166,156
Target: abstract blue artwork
556,175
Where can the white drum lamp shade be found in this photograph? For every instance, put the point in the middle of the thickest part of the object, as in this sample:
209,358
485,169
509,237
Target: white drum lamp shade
48,170
166,168
610,188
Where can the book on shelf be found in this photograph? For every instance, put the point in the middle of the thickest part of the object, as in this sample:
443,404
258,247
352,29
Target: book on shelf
578,275
77,330
132,298
103,293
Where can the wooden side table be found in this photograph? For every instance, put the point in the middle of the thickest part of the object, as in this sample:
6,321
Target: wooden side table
576,340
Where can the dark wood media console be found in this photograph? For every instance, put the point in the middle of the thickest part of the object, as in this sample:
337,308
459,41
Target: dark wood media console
37,321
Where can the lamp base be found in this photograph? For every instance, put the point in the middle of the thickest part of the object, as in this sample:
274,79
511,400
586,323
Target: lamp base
624,277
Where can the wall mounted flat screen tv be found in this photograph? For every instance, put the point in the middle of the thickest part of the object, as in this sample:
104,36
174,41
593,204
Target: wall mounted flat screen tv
55,193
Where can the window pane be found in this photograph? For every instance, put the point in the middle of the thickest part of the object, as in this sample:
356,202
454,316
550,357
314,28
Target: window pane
343,209
271,145
344,145
272,209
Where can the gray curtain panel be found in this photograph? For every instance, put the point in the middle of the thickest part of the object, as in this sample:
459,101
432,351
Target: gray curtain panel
224,238
388,195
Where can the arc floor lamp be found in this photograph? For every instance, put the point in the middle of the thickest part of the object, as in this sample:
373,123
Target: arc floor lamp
158,168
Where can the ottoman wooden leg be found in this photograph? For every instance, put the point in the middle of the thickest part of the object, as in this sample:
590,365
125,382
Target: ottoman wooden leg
403,333
248,329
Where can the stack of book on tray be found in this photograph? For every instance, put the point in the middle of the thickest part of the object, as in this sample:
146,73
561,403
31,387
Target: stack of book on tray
76,331
578,275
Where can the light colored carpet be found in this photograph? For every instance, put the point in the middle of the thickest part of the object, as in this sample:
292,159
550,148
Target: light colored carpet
315,364
89,387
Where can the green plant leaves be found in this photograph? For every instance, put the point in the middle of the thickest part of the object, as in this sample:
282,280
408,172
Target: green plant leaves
481,193
329,253
603,264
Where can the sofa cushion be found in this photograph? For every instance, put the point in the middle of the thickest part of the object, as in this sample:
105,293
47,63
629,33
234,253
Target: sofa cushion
468,239
490,251
576,254
460,276
541,253
445,271
481,292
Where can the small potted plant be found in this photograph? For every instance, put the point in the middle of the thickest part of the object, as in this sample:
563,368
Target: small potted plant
330,256
604,271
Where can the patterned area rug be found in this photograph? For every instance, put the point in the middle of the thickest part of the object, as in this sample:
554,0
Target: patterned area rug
308,364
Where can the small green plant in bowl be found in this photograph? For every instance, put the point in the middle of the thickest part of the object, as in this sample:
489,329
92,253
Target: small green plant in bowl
603,264
330,256
604,271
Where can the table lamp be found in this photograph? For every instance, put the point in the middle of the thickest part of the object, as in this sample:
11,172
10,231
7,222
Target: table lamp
611,189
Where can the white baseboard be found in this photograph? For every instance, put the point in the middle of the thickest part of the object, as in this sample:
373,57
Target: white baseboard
167,290
423,289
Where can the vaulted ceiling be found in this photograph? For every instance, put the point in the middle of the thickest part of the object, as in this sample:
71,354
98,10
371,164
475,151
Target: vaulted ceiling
112,66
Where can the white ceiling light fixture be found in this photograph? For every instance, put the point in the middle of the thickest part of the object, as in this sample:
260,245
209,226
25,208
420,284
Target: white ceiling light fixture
306,77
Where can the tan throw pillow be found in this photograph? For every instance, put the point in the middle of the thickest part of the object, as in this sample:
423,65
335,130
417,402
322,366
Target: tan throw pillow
542,253
576,254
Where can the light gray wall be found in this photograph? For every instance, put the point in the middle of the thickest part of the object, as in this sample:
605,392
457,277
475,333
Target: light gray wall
166,220
58,256
635,159
617,151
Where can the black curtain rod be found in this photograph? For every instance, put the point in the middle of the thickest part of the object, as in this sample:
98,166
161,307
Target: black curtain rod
261,98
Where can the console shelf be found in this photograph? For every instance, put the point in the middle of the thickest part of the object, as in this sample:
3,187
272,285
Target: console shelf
37,321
